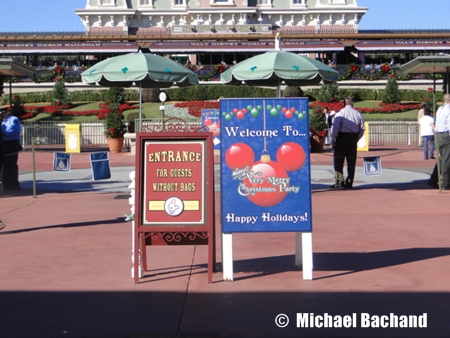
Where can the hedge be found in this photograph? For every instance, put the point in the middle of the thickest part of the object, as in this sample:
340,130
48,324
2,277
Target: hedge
214,92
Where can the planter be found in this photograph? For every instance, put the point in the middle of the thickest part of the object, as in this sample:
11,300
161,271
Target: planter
115,144
317,143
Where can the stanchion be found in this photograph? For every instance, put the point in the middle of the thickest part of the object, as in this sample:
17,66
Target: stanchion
34,168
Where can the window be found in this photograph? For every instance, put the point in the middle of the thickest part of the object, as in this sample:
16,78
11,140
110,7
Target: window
263,2
221,2
298,2
178,2
107,2
144,2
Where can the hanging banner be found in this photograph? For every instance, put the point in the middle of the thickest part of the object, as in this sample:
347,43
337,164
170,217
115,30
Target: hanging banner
265,165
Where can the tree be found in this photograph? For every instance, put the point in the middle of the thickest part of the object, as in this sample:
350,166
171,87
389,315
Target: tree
60,95
391,93
329,92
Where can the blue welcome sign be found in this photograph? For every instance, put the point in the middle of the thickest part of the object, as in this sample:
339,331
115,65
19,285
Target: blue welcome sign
265,165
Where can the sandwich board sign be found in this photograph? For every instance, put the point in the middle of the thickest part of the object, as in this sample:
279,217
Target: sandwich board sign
265,165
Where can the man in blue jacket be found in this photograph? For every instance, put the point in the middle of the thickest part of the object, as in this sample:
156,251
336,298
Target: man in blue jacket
11,147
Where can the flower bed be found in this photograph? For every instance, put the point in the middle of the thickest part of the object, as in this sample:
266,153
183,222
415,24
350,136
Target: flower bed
31,111
195,107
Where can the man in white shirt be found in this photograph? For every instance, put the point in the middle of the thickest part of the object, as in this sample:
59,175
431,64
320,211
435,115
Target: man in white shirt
348,128
442,129
426,129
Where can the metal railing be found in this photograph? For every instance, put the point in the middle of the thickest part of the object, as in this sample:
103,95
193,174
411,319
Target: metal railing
392,133
381,133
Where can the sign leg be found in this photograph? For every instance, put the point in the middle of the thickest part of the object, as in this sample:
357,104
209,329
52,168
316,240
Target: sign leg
298,249
227,256
307,255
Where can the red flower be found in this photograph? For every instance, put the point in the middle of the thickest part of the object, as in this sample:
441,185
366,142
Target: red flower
430,89
385,68
111,130
392,75
353,68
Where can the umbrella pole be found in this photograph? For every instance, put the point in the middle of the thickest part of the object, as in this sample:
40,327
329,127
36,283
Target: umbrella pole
278,89
140,106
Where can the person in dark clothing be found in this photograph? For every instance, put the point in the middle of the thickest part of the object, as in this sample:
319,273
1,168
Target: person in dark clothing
11,146
348,128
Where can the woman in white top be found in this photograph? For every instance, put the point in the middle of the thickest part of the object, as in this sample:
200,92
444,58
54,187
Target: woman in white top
426,125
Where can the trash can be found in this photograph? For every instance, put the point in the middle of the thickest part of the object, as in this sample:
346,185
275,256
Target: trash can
73,138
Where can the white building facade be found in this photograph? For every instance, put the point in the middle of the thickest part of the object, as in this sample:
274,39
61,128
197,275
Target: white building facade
142,17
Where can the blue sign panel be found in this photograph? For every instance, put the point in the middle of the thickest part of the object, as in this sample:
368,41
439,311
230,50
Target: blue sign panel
372,166
61,162
100,166
265,165
211,120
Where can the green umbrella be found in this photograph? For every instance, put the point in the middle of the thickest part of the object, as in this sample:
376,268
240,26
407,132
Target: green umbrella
143,69
271,69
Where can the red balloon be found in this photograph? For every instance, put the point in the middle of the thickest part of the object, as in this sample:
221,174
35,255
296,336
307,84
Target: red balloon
291,156
244,110
235,110
207,122
271,173
292,110
239,156
288,114
284,110
240,115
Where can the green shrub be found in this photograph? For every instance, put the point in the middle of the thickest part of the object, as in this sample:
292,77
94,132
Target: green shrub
329,92
114,95
293,91
60,95
150,95
391,93
114,122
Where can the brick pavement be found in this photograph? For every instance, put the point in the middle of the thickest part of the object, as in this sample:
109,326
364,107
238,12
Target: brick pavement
378,249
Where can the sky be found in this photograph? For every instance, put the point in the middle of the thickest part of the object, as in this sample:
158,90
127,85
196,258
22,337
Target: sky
59,15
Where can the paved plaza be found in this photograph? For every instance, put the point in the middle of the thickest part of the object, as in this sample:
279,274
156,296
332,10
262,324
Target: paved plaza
381,248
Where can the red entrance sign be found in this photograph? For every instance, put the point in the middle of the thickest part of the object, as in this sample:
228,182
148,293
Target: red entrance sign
174,176
174,193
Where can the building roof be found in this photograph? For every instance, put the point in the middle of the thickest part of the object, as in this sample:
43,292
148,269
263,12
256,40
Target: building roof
9,67
439,64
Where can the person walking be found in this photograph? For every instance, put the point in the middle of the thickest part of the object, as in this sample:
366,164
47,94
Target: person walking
348,128
442,133
426,128
326,113
420,114
11,147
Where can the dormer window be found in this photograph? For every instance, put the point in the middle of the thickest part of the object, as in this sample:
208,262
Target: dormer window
107,2
144,2
221,2
179,3
298,2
